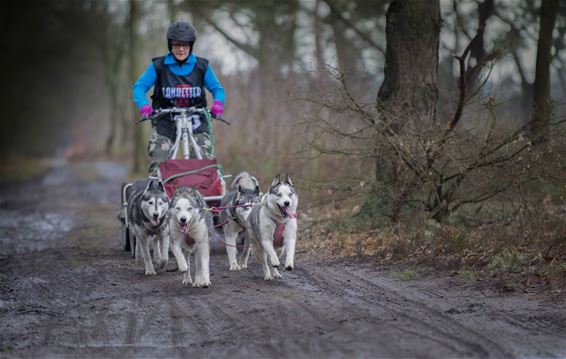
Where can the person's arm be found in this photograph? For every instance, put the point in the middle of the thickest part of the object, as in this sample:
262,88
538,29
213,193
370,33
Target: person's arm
143,85
213,85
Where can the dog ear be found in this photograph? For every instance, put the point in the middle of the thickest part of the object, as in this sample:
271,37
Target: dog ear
288,180
276,180
160,186
148,186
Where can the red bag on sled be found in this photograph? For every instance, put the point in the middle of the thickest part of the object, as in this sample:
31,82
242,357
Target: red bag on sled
203,175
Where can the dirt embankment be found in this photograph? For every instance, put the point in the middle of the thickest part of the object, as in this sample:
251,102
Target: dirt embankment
67,289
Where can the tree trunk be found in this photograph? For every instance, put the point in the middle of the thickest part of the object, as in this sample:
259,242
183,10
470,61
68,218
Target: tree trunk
319,56
347,53
485,10
542,103
172,10
139,156
411,60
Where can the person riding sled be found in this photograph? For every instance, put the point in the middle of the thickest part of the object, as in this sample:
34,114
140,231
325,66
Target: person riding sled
179,80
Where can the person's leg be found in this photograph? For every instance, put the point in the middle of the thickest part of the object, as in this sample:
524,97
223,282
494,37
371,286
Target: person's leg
206,145
158,150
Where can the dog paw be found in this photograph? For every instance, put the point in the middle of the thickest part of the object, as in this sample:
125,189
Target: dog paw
187,279
289,267
268,277
162,264
275,263
150,272
202,284
275,273
235,267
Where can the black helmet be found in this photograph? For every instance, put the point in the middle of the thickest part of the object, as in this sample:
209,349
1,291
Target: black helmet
181,31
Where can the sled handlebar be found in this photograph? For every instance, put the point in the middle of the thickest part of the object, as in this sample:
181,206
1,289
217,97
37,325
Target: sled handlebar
182,110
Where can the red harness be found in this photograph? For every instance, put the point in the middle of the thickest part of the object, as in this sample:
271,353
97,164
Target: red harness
189,240
279,229
278,234
152,231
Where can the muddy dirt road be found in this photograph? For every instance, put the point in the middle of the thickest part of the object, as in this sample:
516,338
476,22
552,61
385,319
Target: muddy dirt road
68,290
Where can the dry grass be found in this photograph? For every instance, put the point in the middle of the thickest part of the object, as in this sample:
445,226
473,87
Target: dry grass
529,249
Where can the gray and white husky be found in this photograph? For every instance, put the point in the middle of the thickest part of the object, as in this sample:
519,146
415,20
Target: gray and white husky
244,190
190,230
147,209
272,227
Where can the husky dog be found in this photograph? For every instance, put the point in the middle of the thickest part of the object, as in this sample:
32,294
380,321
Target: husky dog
190,230
147,208
245,180
272,228
244,190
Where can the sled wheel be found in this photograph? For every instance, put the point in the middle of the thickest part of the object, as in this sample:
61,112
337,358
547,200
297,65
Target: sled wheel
133,243
126,236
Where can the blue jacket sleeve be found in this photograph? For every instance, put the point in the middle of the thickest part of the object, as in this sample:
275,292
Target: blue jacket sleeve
143,85
213,85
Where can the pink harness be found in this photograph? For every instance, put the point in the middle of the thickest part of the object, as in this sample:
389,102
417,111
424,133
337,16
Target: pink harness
279,229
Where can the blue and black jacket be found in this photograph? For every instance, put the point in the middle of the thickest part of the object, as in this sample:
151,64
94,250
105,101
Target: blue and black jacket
177,84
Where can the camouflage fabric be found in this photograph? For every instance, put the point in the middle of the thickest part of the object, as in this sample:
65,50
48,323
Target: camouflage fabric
160,147
206,144
158,150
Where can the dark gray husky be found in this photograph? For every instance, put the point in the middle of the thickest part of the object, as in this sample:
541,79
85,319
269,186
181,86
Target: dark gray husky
244,190
147,209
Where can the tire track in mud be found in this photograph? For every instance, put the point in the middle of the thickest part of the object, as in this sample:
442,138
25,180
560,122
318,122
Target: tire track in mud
493,338
360,297
505,315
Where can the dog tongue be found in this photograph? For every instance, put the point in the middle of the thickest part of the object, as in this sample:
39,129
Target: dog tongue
185,227
288,212
154,222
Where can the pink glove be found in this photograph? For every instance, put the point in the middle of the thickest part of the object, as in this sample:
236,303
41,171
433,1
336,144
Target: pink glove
216,109
145,111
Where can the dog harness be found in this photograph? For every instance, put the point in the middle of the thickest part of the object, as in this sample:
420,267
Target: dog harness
279,229
152,231
278,234
189,240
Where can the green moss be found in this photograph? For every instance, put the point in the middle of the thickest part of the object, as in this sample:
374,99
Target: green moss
468,273
507,261
405,275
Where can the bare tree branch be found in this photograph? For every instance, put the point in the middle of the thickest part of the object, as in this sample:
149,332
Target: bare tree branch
348,23
247,48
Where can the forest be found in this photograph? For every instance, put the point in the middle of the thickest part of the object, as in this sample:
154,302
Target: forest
424,137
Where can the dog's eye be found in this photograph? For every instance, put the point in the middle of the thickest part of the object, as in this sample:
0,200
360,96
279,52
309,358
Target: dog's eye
150,203
178,208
